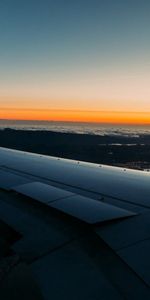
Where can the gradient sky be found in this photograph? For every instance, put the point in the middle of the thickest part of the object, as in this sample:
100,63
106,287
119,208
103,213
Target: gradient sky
83,55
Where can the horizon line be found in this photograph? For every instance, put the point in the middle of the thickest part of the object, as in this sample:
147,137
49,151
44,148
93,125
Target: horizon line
83,122
102,117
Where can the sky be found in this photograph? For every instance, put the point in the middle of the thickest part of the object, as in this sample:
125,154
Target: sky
83,60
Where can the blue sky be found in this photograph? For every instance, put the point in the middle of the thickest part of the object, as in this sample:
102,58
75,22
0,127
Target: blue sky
69,53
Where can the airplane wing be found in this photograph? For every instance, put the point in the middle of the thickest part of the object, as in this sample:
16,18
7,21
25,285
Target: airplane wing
72,230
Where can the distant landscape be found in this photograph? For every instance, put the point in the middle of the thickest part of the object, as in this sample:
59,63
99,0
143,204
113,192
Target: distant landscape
127,151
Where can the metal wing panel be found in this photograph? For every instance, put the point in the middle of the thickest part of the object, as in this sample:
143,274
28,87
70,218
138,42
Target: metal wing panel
132,186
72,270
82,208
9,180
138,258
89,210
126,232
77,251
42,192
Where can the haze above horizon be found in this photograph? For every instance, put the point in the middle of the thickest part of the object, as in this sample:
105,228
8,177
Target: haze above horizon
77,60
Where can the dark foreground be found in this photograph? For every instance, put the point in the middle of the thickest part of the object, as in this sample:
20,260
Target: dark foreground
131,152
72,231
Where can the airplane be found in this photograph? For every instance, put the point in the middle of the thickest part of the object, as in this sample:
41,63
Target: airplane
72,230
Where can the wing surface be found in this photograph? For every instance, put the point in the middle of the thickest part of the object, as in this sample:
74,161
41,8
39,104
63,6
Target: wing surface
72,230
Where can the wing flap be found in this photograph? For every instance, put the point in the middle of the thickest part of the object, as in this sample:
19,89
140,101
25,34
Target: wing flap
85,209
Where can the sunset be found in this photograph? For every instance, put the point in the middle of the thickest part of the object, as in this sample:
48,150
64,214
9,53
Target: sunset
74,149
74,60
119,117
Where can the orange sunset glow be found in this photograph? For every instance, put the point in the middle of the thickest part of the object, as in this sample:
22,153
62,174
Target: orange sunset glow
76,115
75,62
